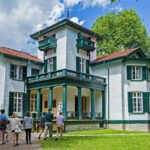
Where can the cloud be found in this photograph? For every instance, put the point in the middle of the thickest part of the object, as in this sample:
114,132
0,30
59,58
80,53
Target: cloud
87,3
76,20
117,8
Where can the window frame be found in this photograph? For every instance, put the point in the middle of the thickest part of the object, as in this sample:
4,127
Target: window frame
51,64
33,102
82,64
18,72
16,103
135,71
138,107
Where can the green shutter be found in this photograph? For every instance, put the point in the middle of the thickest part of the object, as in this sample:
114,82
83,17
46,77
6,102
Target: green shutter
130,102
24,72
145,102
87,66
25,104
78,64
45,65
12,71
129,74
144,73
11,103
54,64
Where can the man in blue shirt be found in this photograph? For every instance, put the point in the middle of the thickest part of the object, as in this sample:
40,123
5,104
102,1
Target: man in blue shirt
3,124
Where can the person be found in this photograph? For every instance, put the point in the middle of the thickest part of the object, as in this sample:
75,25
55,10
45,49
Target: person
42,124
48,124
27,124
15,128
3,124
60,125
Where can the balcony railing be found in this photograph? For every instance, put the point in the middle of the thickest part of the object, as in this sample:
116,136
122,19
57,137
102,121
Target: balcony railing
65,73
47,43
85,43
86,115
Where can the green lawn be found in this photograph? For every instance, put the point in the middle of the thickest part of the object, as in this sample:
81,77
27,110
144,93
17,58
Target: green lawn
108,142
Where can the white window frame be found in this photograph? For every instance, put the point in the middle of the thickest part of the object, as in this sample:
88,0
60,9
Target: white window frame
137,101
82,65
17,103
136,73
33,102
50,64
18,72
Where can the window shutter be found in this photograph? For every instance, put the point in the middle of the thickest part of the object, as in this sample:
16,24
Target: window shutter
12,71
87,66
129,72
144,72
24,72
54,63
130,103
45,65
145,102
78,64
25,104
11,102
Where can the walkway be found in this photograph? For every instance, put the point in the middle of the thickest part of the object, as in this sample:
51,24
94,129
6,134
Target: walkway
22,143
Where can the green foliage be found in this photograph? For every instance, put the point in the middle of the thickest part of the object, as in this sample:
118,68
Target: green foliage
121,31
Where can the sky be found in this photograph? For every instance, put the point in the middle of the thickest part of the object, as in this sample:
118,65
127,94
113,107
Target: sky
20,18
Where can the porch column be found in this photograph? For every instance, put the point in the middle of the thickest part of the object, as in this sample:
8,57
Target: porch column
92,104
50,98
103,105
79,103
38,103
64,101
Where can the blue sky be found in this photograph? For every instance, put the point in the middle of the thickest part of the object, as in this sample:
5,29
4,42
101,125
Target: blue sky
20,18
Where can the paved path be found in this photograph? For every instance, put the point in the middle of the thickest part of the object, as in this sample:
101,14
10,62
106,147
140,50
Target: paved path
22,143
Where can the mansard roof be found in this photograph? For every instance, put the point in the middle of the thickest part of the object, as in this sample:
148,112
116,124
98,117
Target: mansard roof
118,55
65,22
18,54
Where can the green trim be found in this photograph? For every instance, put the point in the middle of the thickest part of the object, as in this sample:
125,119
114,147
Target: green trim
127,121
74,122
92,104
64,101
65,22
103,105
38,103
79,103
50,98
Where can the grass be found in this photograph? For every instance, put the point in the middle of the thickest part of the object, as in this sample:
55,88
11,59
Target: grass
113,142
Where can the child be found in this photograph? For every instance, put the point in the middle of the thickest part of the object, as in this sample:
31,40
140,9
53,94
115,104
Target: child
60,124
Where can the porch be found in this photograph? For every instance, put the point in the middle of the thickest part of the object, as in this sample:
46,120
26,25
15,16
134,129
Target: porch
79,96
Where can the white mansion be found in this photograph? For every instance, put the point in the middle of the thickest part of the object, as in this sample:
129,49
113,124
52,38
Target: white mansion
110,91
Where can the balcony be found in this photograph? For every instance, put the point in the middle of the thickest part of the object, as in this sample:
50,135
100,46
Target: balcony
66,76
85,43
47,43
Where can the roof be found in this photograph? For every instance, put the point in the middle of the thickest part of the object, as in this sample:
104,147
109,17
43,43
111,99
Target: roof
19,54
116,55
63,23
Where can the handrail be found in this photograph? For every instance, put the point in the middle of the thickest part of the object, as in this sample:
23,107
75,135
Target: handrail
65,73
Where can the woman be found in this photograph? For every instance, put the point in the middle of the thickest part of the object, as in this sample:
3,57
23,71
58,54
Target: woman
42,124
27,124
15,129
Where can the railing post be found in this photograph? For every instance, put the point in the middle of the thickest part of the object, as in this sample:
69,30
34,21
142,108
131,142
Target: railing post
64,73
49,75
37,77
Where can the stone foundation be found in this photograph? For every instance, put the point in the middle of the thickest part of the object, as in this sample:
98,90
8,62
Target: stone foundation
81,127
145,127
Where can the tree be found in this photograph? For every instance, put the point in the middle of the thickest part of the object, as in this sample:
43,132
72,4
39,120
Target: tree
121,31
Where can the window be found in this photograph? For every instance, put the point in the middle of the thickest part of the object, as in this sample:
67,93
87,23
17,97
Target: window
136,73
17,106
82,65
51,64
34,71
33,102
16,72
137,102
46,104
